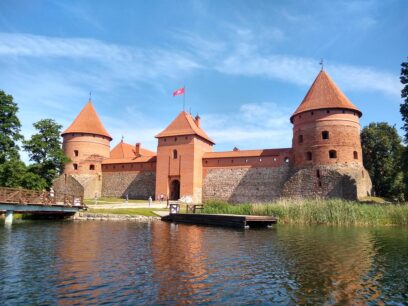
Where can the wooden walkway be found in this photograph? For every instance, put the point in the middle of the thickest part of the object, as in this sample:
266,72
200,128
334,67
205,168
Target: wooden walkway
37,202
239,221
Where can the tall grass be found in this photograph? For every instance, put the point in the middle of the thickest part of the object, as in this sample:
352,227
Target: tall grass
333,212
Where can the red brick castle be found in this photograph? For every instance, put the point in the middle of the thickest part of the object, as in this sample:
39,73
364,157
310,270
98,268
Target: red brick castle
325,159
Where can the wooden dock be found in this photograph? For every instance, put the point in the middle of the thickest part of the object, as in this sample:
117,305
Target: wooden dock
239,221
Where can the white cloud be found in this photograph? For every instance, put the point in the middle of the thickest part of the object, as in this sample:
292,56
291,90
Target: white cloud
254,126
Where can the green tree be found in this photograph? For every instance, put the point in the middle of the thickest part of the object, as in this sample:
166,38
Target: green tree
44,149
404,96
9,128
382,155
14,173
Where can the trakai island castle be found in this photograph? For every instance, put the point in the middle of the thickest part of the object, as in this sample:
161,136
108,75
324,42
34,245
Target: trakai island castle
325,159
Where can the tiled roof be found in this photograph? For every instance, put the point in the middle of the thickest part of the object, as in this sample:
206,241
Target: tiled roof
129,160
87,122
247,153
323,94
184,124
125,150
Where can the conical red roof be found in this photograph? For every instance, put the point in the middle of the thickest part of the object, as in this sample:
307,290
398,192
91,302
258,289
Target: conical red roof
87,122
324,94
184,124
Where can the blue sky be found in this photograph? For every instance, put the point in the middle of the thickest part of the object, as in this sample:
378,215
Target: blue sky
246,65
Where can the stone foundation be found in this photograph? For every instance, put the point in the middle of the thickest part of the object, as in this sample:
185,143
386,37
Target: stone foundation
239,185
332,181
66,184
137,185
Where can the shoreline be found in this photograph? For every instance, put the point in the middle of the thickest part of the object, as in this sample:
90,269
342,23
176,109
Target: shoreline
86,216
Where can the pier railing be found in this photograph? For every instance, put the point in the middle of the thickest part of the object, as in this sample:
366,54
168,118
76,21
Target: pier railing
26,196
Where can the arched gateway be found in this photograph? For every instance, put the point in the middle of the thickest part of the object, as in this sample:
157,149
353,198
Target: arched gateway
175,190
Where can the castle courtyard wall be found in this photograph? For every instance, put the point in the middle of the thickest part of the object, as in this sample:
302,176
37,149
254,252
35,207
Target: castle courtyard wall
135,184
344,181
245,184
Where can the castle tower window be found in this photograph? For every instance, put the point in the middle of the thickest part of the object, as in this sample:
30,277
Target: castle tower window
332,154
325,135
91,167
355,155
174,154
75,166
76,152
308,155
300,138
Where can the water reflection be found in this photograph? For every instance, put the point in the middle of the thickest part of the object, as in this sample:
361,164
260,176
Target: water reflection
159,263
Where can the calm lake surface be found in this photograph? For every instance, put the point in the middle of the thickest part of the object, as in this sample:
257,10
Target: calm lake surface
130,263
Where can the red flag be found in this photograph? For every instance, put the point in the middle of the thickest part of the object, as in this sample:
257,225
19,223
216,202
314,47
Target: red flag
178,92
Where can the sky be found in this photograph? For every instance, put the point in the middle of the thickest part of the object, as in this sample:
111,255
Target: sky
246,65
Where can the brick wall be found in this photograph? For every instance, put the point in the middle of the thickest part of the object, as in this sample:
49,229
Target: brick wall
138,185
245,184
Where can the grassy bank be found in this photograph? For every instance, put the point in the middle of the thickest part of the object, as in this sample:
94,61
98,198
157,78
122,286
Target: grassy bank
148,212
106,200
333,212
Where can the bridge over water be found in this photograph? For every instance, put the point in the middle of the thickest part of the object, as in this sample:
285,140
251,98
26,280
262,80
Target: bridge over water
17,200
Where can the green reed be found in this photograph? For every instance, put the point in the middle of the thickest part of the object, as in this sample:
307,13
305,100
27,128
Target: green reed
318,211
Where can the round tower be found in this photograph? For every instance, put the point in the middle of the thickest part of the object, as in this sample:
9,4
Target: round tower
86,142
326,128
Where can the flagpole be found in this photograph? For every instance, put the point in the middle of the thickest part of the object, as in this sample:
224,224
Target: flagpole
184,98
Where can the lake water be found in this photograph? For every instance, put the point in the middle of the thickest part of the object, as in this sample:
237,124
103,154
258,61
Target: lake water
129,263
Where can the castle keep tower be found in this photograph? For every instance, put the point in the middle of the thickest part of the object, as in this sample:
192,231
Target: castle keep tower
326,128
87,143
326,144
180,150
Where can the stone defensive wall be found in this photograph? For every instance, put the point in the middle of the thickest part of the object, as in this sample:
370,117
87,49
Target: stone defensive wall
246,176
344,181
137,180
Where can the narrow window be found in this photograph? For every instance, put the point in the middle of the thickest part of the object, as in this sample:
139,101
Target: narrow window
300,138
320,183
174,154
91,167
206,161
308,155
318,173
175,138
75,166
328,111
76,152
355,154
312,113
332,154
325,135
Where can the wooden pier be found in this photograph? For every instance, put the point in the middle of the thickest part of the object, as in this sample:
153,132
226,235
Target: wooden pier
238,221
17,200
